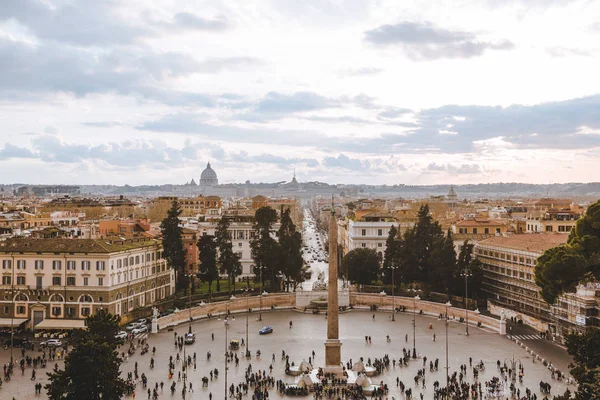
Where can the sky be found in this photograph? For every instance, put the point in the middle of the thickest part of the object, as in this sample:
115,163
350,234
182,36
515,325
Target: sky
341,91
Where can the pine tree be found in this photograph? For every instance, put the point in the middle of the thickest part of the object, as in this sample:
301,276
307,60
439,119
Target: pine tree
91,369
173,248
207,268
265,249
442,260
229,262
391,256
290,243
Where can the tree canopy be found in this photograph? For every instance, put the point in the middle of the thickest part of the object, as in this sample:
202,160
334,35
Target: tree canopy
264,248
562,268
91,369
229,261
585,349
173,248
290,250
361,266
207,269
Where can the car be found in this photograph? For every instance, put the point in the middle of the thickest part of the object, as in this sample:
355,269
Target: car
121,335
140,329
142,321
132,325
190,338
51,343
265,330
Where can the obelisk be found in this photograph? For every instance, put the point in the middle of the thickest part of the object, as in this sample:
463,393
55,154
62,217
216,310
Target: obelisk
333,357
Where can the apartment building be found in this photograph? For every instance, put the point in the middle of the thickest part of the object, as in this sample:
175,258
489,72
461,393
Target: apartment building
552,220
68,279
576,312
508,264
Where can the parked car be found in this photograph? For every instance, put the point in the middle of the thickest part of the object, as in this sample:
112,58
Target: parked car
142,321
51,343
265,330
121,335
131,326
140,329
190,338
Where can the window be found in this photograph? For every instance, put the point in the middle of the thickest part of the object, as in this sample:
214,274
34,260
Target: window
363,245
71,311
38,282
85,311
379,232
125,262
6,280
462,230
20,309
100,281
71,265
240,244
548,228
119,263
152,256
6,264
56,311
39,264
85,265
131,259
100,265
486,230
148,256
379,244
56,264
498,230
364,232
6,309
137,259
475,230
85,281
20,280
70,281
56,281
21,264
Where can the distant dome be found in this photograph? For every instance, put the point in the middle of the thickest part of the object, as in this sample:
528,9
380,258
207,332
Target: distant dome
209,177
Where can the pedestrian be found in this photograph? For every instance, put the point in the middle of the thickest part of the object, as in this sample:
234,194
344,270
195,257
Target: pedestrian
434,337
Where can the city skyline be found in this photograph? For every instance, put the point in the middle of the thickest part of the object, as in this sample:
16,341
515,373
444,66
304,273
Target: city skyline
340,91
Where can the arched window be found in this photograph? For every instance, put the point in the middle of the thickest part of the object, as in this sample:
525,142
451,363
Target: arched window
56,298
21,297
86,298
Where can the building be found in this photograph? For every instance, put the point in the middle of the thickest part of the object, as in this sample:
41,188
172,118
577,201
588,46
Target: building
370,231
189,238
208,178
553,220
576,312
123,227
479,226
508,264
68,279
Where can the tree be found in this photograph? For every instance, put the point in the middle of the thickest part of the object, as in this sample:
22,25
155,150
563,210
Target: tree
265,250
442,260
290,249
425,234
361,266
207,268
229,261
174,250
391,256
585,349
467,261
562,268
91,369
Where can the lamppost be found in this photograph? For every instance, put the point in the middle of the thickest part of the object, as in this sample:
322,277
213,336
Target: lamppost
513,366
226,356
466,273
261,290
247,314
393,268
414,355
448,304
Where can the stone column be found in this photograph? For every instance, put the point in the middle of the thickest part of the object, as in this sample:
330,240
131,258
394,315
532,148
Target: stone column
333,358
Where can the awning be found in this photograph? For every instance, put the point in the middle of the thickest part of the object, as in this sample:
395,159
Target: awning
4,322
59,323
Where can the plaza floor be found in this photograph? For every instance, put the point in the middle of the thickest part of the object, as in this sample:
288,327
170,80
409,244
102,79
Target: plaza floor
308,334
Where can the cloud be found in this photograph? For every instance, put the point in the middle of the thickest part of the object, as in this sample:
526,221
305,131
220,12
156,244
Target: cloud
364,71
345,162
188,20
10,151
271,159
463,169
344,119
425,41
215,65
567,52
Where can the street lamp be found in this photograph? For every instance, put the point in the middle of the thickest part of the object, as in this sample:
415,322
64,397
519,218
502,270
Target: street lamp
466,273
261,290
414,355
226,356
513,366
247,314
393,298
448,304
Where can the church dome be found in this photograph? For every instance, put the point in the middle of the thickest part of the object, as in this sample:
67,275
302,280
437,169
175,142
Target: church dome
209,177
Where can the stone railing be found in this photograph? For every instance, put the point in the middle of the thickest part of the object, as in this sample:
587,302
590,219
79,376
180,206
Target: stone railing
428,307
239,304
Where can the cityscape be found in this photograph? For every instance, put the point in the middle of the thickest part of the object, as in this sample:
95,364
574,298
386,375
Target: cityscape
328,199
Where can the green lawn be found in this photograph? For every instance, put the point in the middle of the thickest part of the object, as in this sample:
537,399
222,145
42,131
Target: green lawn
202,287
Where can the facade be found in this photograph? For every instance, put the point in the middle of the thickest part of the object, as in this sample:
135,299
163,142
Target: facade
69,279
189,238
208,178
479,226
561,221
508,264
123,227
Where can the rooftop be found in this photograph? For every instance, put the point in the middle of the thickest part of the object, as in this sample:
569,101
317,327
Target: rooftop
75,245
534,242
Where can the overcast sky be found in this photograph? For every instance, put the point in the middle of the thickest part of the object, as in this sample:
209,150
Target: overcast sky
347,91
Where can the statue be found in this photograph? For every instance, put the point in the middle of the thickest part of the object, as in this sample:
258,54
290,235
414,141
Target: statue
503,315
154,313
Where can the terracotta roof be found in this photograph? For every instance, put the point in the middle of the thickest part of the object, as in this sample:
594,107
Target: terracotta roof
74,245
480,222
534,242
